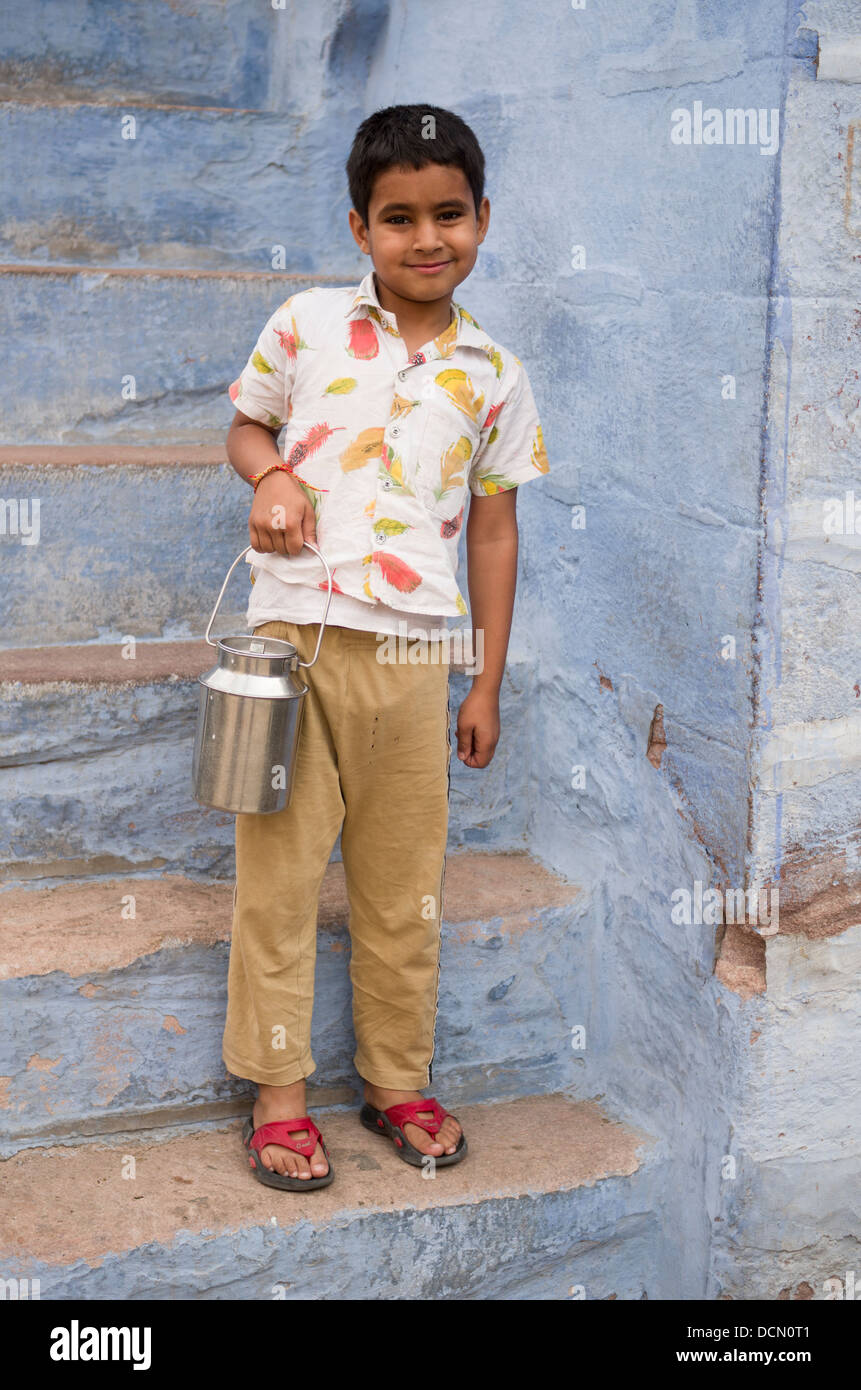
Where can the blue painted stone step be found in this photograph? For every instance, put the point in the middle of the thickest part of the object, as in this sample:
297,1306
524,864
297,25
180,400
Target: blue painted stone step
138,546
112,1021
554,1201
222,54
96,755
176,339
170,196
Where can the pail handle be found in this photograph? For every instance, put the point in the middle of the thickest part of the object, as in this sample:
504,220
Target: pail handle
325,615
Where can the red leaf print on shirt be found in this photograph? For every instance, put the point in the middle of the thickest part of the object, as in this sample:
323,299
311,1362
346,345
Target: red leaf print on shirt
396,572
363,340
492,414
336,588
312,441
451,528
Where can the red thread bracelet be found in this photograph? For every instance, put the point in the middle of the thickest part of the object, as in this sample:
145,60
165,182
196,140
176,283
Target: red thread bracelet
257,478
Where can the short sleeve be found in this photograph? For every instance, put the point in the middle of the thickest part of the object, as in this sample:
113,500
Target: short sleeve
263,388
512,449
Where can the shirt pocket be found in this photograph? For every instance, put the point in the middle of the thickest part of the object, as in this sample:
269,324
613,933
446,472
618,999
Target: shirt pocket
449,442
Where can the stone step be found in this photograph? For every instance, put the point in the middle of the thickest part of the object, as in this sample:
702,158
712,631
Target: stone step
167,196
96,755
174,338
114,1021
220,54
112,541
554,1201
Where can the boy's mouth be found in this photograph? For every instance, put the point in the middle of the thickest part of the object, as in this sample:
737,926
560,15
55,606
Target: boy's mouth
428,267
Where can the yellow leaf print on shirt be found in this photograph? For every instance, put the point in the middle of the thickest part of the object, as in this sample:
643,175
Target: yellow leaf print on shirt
451,467
311,494
495,357
392,474
460,391
384,323
367,445
461,606
447,340
492,483
402,406
260,363
342,386
387,526
538,454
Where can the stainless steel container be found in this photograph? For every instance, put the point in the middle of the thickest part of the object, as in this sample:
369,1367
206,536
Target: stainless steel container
250,717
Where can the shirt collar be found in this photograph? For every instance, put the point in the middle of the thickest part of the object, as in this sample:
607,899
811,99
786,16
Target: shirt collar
469,333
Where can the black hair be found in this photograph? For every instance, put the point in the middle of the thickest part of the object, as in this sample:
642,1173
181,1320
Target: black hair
398,135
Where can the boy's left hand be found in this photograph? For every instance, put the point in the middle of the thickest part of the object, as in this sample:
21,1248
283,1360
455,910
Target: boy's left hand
478,727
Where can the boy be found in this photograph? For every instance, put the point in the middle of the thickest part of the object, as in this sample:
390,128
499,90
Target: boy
397,405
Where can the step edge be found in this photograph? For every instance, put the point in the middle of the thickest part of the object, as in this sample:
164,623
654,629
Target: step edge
189,648
642,1148
109,455
62,269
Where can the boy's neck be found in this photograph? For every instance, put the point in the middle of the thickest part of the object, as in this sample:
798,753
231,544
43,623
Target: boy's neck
418,321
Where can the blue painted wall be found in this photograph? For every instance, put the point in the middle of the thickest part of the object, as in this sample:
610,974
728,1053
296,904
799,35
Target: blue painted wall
630,273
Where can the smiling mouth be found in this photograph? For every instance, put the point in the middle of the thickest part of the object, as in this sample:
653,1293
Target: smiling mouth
429,265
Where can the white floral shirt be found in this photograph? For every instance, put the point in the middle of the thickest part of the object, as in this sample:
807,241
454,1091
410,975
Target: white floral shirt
387,446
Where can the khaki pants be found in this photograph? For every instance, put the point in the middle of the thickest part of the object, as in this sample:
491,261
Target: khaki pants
373,762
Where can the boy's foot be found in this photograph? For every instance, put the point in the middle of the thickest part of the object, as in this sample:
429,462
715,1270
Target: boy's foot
287,1103
444,1142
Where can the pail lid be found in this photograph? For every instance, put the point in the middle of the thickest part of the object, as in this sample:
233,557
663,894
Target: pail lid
246,644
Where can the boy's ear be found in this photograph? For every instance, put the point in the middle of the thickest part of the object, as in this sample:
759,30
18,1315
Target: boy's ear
483,218
360,231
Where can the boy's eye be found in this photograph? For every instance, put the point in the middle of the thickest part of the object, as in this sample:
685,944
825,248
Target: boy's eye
401,217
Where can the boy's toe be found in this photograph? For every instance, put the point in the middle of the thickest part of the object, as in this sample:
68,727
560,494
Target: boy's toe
279,1161
424,1142
288,1164
449,1134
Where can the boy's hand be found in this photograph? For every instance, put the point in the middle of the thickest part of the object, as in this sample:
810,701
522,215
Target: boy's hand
478,727
282,518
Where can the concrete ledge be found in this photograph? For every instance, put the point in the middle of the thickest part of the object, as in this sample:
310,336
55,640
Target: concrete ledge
99,663
112,1023
111,455
289,281
99,769
547,1179
80,928
194,328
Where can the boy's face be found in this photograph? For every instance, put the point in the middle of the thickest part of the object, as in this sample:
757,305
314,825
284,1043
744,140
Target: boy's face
422,217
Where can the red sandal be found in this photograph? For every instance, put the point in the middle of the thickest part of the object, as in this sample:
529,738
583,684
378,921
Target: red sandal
279,1132
390,1124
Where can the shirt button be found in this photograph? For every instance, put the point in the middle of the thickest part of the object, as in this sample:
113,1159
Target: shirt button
394,430
402,376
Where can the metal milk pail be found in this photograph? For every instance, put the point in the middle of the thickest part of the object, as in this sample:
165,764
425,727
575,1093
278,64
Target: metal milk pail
250,717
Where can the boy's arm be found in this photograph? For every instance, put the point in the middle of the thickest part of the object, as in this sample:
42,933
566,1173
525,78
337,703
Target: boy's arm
281,514
511,453
281,518
491,546
251,447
